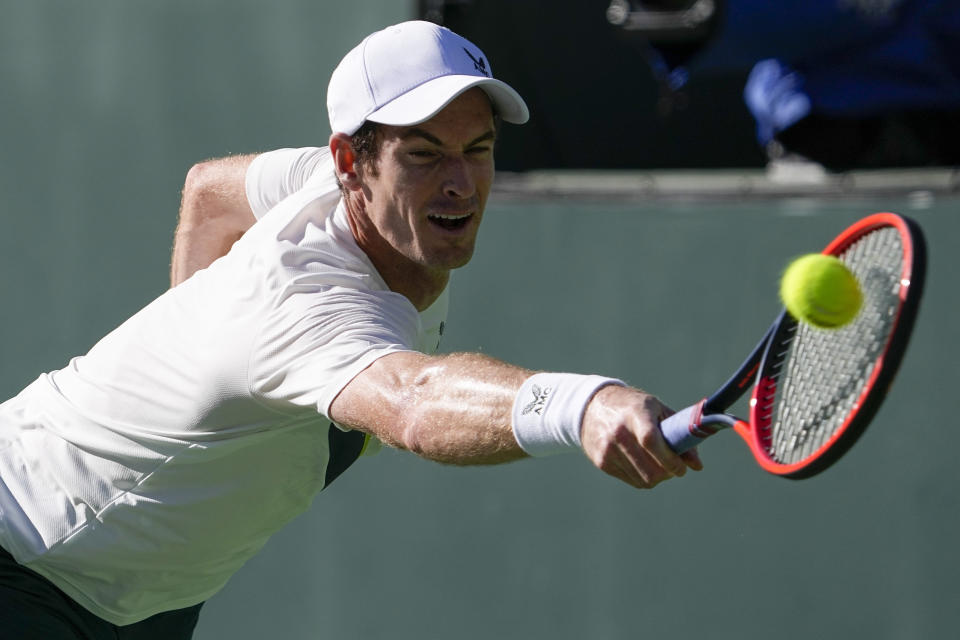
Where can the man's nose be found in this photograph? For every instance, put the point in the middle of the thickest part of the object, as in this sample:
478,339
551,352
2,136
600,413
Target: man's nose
459,181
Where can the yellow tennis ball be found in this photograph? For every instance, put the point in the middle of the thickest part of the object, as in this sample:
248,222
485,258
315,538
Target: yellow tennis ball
820,290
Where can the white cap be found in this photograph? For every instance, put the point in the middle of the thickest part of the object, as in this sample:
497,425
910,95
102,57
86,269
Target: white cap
404,74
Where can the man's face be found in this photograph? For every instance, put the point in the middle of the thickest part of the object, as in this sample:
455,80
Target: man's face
432,180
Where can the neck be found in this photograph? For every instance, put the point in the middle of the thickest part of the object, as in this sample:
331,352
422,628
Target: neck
419,284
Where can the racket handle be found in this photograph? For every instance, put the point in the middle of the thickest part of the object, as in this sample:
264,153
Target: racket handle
689,427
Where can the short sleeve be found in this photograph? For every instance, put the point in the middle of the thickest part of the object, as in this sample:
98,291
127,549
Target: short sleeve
313,345
274,175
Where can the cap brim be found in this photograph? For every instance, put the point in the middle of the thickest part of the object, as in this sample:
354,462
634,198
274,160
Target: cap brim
423,102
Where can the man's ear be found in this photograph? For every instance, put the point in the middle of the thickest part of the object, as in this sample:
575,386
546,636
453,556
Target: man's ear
344,158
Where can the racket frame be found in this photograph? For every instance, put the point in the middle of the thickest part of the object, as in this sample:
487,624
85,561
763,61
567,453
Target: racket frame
692,425
912,276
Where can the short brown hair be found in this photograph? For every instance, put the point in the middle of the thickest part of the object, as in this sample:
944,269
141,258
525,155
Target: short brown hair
366,143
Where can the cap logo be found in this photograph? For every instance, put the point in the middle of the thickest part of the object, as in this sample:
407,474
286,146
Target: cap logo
478,64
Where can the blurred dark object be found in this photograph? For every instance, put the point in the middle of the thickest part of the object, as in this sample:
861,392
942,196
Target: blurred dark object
665,21
678,29
594,102
900,139
440,11
844,83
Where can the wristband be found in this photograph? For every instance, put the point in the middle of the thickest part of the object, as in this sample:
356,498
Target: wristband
548,411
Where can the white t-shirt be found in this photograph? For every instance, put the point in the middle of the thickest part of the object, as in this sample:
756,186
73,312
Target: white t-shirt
140,477
274,175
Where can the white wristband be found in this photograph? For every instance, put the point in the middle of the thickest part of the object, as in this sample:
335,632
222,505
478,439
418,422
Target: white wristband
548,411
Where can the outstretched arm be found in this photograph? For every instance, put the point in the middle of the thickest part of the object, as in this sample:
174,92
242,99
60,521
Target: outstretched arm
458,409
214,213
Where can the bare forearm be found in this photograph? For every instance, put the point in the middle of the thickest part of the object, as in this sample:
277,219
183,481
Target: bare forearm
458,409
454,409
195,247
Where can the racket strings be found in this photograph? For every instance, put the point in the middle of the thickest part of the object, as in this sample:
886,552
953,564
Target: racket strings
821,375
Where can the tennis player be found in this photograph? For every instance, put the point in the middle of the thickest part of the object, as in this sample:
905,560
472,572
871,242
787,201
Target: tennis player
136,480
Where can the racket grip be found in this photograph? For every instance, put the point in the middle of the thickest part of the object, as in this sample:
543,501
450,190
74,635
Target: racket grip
682,430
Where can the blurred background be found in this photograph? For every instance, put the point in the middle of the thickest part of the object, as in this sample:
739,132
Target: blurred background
678,154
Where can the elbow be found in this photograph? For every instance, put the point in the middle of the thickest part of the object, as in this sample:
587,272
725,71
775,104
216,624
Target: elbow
412,431
196,176
403,400
200,192
414,416
214,193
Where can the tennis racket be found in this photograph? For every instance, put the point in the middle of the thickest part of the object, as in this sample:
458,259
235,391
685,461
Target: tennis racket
816,390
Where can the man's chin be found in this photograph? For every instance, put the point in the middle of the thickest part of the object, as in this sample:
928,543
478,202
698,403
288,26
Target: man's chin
450,260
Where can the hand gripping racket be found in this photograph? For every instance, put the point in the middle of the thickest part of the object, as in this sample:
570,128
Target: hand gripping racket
816,390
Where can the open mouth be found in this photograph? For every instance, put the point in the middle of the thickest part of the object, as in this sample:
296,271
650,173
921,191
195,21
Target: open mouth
451,222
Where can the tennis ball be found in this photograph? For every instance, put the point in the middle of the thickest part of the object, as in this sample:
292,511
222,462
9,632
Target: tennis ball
820,290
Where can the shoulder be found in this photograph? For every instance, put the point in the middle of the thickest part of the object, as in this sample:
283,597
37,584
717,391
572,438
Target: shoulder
274,175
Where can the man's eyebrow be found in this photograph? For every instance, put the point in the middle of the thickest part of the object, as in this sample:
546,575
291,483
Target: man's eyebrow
489,135
417,132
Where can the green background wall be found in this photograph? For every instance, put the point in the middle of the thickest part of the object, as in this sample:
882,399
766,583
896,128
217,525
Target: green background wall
105,105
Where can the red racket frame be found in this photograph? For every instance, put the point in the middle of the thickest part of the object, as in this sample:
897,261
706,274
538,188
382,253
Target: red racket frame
867,404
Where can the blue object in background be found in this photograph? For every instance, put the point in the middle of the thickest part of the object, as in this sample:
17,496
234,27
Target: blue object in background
775,96
845,62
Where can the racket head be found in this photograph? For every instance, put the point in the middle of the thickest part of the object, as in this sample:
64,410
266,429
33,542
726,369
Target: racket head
818,389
